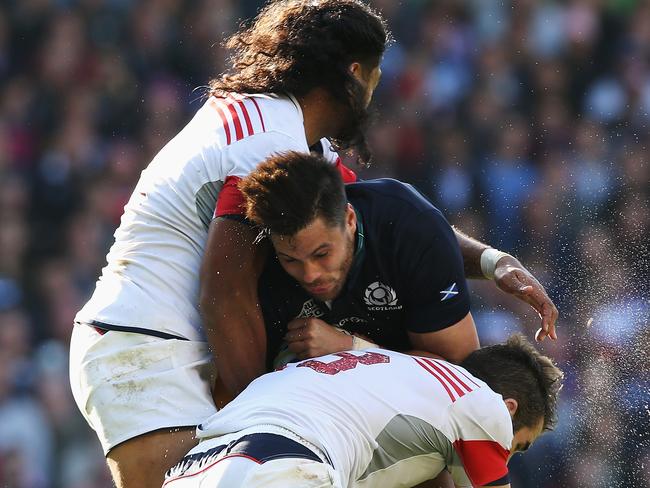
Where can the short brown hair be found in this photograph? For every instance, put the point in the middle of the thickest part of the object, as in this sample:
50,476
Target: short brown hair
517,370
287,192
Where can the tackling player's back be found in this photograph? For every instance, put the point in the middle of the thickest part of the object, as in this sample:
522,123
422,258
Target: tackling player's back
423,412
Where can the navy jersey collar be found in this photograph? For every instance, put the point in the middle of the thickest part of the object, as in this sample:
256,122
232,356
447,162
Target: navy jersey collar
359,253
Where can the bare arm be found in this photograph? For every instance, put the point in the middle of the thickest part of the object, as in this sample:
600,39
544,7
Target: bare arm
310,337
453,343
229,304
513,278
471,249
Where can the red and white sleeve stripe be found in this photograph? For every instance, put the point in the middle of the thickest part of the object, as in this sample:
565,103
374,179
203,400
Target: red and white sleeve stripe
240,116
455,384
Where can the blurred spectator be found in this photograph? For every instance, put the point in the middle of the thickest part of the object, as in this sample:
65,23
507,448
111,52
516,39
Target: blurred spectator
526,122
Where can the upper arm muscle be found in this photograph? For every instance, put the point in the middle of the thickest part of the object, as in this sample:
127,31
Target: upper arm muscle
453,343
229,305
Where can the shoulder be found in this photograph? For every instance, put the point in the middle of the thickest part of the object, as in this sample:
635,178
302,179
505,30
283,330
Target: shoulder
483,436
276,113
390,192
387,203
482,415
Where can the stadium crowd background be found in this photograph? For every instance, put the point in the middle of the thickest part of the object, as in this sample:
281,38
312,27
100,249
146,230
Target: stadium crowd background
526,122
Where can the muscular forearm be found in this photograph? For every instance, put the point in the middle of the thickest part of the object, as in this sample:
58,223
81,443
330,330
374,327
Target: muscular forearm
471,250
237,340
510,276
229,305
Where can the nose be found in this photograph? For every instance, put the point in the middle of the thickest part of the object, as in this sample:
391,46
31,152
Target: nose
311,272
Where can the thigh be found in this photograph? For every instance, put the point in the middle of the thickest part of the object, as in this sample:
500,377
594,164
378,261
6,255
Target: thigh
237,461
141,462
227,472
292,473
244,472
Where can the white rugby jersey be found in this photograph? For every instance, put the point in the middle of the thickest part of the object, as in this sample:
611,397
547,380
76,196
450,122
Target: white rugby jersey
383,418
151,280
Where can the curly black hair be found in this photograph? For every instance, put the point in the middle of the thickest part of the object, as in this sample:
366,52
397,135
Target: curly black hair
294,46
284,194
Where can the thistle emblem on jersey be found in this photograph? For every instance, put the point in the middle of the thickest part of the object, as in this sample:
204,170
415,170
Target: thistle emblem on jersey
381,297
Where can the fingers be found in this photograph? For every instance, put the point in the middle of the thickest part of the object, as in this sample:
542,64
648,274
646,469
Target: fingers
299,348
295,335
297,323
528,289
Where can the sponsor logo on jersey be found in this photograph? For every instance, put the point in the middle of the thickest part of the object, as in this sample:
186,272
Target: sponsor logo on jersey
349,321
310,309
450,292
381,297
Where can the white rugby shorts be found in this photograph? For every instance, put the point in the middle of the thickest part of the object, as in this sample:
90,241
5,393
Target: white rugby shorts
127,384
202,468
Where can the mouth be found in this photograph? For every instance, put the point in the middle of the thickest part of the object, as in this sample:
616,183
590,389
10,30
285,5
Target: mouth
319,289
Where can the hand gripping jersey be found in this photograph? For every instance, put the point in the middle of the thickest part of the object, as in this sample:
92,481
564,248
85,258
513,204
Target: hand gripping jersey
407,274
382,418
150,283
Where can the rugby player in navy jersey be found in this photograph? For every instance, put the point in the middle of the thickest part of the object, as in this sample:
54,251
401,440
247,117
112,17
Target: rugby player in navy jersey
366,264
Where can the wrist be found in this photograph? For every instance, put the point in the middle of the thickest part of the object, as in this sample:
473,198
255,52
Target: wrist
489,259
359,343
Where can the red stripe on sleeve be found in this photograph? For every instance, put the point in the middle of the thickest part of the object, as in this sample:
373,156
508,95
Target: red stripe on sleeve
230,200
239,133
259,112
247,119
432,373
442,373
347,174
446,367
224,119
455,368
484,461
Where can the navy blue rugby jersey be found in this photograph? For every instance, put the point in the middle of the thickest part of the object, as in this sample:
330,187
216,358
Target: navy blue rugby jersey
407,273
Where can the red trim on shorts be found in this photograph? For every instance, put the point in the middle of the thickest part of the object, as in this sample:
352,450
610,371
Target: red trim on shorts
212,465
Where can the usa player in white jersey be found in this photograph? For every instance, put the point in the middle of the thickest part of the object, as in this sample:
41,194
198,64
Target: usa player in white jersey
378,418
141,368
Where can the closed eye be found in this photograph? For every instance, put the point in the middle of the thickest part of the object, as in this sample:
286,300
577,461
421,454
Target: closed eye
287,259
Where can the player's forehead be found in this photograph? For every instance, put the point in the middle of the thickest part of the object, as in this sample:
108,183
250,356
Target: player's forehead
316,234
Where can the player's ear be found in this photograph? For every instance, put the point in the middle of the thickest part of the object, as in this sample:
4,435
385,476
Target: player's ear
512,405
356,70
350,217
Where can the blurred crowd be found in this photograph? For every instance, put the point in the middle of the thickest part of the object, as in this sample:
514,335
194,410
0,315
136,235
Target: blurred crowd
525,121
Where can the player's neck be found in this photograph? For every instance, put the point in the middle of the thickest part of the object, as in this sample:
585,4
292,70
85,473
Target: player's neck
321,116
